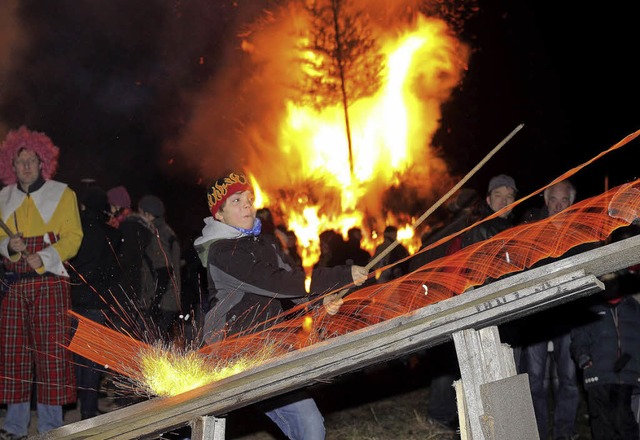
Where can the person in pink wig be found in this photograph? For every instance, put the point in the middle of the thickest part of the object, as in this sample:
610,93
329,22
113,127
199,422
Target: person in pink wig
41,231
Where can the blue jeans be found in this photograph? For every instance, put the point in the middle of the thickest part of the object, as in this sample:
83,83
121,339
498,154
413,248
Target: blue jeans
566,396
19,415
298,419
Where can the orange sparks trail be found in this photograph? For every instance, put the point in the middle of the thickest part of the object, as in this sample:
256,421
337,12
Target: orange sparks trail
513,250
97,343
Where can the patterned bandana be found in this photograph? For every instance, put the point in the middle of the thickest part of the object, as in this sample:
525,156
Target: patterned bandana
255,231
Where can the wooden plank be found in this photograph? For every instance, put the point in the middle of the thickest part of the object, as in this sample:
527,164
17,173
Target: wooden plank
488,384
503,300
508,409
461,404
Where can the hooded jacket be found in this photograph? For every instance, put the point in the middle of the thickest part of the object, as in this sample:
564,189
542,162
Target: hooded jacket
248,275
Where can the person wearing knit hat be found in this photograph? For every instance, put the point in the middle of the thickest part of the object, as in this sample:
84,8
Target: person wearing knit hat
152,204
160,290
501,180
120,203
248,277
119,197
43,231
224,188
500,193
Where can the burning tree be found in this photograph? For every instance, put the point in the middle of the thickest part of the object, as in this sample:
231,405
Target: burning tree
342,62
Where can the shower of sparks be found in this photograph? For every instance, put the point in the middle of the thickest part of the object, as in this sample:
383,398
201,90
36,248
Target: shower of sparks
161,368
166,371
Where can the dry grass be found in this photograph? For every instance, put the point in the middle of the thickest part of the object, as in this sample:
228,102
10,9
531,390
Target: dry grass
384,403
399,417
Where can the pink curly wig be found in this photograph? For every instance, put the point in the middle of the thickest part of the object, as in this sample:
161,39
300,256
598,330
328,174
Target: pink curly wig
23,138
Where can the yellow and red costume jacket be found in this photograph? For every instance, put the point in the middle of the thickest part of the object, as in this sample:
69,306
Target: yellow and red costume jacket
34,324
51,209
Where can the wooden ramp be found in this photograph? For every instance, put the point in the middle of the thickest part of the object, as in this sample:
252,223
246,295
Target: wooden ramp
474,311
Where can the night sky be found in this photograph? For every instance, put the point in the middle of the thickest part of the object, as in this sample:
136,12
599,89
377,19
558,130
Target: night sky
114,83
564,72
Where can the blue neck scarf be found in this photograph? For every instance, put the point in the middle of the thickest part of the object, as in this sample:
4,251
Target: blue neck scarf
255,231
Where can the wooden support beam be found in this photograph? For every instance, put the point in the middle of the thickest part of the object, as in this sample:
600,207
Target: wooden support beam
208,428
495,402
503,300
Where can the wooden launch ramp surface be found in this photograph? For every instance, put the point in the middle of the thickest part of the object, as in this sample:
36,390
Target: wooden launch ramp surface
509,298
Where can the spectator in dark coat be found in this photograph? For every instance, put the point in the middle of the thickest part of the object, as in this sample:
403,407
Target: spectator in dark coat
354,251
136,233
332,249
501,192
607,349
95,279
161,277
396,254
551,329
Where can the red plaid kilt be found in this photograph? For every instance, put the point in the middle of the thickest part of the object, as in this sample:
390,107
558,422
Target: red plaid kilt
34,328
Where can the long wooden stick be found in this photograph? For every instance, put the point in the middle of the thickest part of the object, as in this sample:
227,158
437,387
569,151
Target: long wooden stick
10,233
443,199
6,229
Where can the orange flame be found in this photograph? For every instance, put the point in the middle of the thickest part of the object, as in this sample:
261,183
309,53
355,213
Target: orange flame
391,135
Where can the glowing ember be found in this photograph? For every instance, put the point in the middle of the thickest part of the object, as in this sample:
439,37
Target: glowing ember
307,324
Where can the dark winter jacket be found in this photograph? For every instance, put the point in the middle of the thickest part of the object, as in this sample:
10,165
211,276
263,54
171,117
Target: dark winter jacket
486,229
161,280
608,347
397,253
95,273
136,236
249,275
